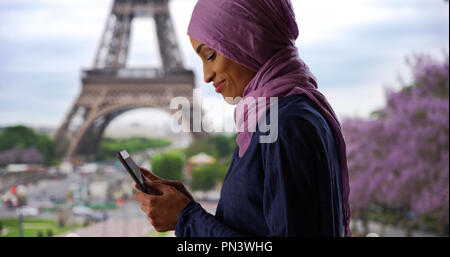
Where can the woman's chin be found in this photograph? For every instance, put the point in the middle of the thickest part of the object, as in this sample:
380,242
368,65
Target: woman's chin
233,100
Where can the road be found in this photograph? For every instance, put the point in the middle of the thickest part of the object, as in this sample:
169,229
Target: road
391,231
129,221
126,221
44,190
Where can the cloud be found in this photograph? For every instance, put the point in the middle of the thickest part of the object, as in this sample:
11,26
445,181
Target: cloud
143,50
354,48
366,98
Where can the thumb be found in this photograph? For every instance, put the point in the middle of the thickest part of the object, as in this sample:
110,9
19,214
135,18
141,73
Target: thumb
149,175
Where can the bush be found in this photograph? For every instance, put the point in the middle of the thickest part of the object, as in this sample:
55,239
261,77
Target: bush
168,165
199,146
109,146
206,177
24,137
219,146
222,144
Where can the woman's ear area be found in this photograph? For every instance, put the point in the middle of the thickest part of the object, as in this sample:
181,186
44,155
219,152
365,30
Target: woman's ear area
195,43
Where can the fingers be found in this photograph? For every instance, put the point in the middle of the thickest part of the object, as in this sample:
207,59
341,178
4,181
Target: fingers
152,177
149,175
148,202
159,186
158,227
142,197
145,209
162,210
137,187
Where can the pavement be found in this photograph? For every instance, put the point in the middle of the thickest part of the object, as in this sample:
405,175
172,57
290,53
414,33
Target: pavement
127,221
130,221
131,227
389,231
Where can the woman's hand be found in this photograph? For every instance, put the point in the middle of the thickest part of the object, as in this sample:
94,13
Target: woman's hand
177,184
162,210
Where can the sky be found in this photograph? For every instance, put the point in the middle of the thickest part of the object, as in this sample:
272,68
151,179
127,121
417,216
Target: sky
355,48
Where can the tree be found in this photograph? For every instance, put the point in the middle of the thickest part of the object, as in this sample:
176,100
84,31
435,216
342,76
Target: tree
399,159
201,145
203,178
109,146
24,137
168,165
224,145
206,177
219,146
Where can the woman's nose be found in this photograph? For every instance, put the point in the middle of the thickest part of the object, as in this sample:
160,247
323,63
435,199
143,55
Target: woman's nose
208,75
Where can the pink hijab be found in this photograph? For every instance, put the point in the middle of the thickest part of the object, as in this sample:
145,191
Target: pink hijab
260,35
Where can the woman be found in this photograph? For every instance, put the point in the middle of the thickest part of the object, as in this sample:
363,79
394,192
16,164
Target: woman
294,186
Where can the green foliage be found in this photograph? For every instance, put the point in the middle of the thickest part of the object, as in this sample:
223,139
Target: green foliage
206,177
17,137
199,146
109,146
103,206
227,161
219,146
222,144
48,148
168,165
31,226
24,137
221,172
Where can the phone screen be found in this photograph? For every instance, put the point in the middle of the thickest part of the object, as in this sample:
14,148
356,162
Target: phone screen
132,165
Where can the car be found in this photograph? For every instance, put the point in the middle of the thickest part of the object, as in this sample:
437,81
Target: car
46,206
88,213
97,217
27,211
82,210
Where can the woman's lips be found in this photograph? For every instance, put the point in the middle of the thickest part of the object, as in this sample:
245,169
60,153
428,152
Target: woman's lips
220,86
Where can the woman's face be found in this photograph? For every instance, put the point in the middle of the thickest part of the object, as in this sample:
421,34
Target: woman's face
229,78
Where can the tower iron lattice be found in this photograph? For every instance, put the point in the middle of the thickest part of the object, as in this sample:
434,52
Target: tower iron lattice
110,88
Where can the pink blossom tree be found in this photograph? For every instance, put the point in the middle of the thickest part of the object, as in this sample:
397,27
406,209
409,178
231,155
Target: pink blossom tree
399,158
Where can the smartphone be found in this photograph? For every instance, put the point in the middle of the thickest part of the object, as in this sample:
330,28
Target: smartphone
133,170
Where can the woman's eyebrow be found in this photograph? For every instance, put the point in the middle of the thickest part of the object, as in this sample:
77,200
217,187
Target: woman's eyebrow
199,48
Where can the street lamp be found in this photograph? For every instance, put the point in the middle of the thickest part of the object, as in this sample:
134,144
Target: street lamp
21,199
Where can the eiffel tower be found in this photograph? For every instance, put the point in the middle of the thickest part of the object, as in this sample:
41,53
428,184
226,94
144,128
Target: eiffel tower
110,88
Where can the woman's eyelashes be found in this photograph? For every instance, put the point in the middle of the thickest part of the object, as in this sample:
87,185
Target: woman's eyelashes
212,56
